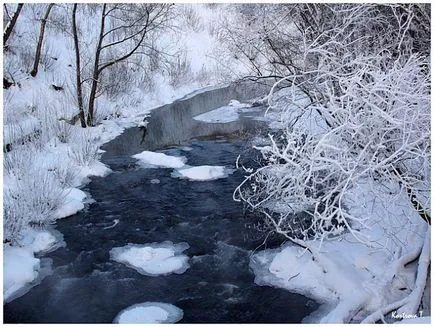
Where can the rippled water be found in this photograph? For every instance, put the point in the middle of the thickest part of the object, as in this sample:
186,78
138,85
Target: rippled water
87,287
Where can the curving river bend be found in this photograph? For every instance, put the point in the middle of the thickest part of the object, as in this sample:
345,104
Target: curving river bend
87,287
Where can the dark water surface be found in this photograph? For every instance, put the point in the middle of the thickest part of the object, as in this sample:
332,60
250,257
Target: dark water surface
87,287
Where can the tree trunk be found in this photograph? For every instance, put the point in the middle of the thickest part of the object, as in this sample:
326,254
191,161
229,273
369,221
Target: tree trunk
10,26
78,68
96,71
34,71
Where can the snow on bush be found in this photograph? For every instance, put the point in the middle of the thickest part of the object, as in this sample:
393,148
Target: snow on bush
155,159
84,147
153,259
149,313
202,173
32,194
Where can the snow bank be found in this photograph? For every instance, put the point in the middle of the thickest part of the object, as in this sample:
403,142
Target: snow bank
149,313
153,259
21,270
202,173
224,114
72,203
155,159
344,269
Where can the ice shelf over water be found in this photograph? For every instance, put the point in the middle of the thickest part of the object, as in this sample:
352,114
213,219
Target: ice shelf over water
225,114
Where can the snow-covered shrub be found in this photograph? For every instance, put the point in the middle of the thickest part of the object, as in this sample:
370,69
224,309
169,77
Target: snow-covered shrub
32,194
179,71
84,148
361,142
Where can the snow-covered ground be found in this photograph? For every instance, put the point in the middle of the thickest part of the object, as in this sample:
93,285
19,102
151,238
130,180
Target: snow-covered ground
153,259
149,313
21,268
346,270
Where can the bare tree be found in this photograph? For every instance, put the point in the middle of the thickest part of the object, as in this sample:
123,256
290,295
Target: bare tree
78,68
129,25
11,24
34,71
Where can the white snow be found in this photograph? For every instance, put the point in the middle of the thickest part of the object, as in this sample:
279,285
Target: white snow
153,259
149,313
354,268
72,203
225,114
20,267
156,159
202,173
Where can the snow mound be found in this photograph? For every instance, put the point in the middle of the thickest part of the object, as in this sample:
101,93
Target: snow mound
20,268
225,114
149,313
202,173
155,159
72,203
153,259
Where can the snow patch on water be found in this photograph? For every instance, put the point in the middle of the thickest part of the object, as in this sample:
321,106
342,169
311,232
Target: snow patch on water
202,173
153,259
225,114
149,313
149,159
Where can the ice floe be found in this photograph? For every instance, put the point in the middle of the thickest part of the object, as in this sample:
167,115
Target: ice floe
155,159
149,313
153,259
202,173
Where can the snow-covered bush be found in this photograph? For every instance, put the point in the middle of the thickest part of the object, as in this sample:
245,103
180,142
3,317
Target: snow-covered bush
380,130
32,194
366,121
84,149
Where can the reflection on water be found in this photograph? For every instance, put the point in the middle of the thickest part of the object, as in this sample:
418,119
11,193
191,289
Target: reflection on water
173,124
87,287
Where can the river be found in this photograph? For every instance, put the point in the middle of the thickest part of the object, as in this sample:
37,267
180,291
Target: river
85,286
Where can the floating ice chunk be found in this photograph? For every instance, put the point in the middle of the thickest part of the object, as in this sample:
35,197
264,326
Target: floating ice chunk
186,148
155,159
202,173
149,313
153,259
155,181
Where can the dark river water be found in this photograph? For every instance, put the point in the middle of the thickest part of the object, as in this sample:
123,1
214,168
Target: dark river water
87,287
